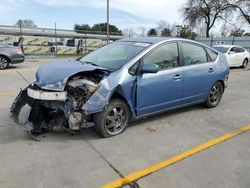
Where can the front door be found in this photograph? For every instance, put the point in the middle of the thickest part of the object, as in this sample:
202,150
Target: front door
162,90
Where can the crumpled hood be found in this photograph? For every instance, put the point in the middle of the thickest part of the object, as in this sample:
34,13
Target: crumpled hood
54,76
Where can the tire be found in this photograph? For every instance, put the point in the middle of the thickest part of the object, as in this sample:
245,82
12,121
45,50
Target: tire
4,62
215,95
113,120
244,64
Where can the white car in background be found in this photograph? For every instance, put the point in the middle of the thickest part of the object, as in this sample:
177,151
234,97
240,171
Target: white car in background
237,56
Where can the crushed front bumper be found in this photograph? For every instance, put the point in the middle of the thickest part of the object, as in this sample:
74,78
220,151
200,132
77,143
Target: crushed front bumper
20,101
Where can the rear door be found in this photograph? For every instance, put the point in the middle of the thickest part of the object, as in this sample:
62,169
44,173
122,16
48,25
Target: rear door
162,90
198,72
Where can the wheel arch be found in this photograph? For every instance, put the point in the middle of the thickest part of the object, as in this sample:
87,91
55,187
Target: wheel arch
5,56
118,95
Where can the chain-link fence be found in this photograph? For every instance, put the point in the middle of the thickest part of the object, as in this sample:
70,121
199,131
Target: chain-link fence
240,41
47,41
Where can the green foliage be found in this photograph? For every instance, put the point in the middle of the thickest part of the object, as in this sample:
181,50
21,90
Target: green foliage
166,32
98,28
26,23
185,32
152,32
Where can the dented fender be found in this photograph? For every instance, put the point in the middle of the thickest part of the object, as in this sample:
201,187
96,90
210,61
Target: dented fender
123,86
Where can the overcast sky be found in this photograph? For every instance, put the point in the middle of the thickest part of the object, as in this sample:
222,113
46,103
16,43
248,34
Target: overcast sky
123,13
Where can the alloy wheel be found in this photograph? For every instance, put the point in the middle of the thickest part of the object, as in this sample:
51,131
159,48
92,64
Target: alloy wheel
3,63
215,93
116,120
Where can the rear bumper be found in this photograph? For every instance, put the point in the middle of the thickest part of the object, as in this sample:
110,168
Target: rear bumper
17,59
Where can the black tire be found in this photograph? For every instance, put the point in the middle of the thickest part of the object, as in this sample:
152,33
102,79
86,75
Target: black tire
215,95
4,62
113,120
244,64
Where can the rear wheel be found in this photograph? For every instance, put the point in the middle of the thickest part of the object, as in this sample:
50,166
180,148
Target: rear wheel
4,62
244,64
113,120
215,95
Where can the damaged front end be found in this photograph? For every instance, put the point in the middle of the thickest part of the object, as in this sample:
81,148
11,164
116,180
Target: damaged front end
51,109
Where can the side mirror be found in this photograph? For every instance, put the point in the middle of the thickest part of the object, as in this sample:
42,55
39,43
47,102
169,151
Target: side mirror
150,68
231,52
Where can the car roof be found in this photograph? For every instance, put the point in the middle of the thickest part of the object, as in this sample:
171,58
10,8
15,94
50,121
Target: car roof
151,40
228,46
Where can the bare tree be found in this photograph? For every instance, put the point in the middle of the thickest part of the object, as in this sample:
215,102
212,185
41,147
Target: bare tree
142,31
129,32
196,12
243,6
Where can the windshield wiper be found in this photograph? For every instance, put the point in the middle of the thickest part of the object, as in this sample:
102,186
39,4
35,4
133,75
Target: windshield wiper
89,62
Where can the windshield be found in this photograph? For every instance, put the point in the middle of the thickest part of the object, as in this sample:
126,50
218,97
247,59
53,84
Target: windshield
114,55
222,49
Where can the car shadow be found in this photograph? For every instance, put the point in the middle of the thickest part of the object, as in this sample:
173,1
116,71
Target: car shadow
90,133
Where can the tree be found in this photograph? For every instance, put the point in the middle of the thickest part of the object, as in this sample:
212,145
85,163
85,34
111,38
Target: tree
26,23
83,27
237,32
185,32
152,32
243,6
142,31
97,28
103,27
208,12
166,32
129,32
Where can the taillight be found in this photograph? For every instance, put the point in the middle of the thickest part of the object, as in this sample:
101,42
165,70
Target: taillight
18,51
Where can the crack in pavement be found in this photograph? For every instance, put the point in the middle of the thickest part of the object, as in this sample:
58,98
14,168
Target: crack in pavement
23,77
103,158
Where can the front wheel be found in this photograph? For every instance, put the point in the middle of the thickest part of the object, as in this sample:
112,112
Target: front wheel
215,95
113,120
244,64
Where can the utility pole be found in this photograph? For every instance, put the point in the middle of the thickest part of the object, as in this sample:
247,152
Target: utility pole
21,35
55,40
107,21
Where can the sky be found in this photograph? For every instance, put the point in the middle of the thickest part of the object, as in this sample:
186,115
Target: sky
66,13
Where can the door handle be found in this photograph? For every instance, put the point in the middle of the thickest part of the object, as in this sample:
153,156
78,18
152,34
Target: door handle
177,77
210,70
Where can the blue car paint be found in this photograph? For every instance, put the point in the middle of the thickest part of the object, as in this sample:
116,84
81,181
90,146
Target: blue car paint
163,95
145,94
54,75
193,87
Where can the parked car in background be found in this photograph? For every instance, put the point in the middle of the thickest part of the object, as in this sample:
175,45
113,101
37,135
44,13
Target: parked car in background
124,81
10,55
237,56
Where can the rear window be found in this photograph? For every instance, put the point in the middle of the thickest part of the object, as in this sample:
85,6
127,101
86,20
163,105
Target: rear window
193,54
222,49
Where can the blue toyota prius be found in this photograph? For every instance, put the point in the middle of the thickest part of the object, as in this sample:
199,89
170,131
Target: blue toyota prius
122,82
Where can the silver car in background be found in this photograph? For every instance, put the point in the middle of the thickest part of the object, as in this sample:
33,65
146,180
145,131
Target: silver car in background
10,55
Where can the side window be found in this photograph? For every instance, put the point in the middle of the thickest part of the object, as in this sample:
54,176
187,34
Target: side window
166,56
134,68
212,54
241,50
234,49
193,54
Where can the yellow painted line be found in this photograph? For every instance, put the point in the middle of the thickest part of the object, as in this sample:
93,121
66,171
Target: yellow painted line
10,93
141,173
